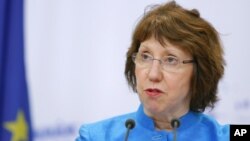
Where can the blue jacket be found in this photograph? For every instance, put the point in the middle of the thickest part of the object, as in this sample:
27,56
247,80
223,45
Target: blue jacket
194,127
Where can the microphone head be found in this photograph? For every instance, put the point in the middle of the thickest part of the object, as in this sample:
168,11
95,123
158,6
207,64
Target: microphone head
130,123
175,123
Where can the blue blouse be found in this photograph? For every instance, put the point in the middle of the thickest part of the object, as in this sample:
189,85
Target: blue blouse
194,127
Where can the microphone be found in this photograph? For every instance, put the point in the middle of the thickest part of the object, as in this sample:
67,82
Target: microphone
175,123
129,124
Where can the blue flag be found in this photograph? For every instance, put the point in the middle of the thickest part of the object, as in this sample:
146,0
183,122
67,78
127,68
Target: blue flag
14,104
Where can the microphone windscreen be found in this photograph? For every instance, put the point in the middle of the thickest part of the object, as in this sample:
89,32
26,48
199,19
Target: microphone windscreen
130,123
175,123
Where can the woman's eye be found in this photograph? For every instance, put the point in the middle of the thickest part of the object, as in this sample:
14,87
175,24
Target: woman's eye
145,57
170,60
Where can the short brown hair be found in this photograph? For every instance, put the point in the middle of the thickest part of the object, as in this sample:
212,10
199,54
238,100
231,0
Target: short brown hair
186,29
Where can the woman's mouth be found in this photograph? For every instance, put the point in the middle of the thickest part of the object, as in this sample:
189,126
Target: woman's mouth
153,92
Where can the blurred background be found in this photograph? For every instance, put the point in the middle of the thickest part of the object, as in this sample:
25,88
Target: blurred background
75,56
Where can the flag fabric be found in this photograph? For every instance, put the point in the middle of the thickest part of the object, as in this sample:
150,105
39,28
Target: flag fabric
14,102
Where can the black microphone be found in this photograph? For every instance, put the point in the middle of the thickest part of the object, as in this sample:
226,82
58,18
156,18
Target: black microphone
175,123
129,124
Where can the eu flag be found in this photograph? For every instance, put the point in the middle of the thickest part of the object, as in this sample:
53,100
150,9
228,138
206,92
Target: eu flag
14,104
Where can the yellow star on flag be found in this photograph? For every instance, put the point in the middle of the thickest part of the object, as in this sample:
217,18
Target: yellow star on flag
18,128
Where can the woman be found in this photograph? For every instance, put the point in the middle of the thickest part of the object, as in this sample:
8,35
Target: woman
174,64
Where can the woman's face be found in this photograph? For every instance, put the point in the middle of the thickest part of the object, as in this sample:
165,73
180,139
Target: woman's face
160,91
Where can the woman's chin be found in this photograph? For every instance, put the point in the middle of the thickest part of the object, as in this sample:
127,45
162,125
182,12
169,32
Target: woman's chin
152,108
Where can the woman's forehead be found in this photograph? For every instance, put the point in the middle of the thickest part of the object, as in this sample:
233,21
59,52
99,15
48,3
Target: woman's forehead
165,47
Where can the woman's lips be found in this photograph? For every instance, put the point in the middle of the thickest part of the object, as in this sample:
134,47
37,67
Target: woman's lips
153,92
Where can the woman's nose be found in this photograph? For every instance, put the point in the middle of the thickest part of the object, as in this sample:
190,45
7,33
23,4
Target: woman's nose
155,71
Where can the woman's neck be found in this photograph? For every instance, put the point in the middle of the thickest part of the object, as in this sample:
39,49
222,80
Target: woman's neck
162,121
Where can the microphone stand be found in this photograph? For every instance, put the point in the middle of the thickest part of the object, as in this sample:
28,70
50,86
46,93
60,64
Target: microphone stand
175,123
130,124
127,133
